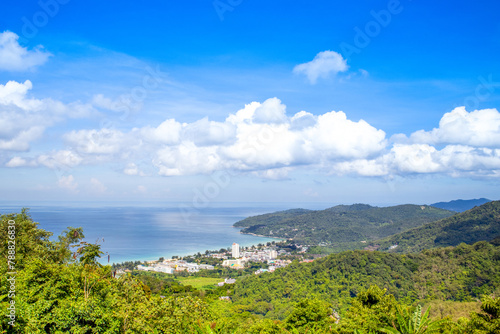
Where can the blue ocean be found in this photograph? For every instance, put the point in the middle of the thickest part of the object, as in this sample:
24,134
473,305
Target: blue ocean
130,233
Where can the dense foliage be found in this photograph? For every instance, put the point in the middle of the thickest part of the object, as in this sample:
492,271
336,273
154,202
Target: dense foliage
60,287
460,273
341,224
480,223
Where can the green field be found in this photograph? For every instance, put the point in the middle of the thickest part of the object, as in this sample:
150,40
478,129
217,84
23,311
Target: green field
200,282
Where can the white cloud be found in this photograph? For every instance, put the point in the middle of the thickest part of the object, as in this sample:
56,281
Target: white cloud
205,133
274,174
62,160
14,57
416,158
271,111
24,120
302,120
103,141
68,183
97,186
403,159
324,64
16,162
262,140
259,139
14,93
187,159
132,169
363,167
335,136
168,132
475,128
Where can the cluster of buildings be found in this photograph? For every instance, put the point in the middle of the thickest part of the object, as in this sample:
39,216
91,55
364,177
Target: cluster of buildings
236,259
264,255
273,265
170,266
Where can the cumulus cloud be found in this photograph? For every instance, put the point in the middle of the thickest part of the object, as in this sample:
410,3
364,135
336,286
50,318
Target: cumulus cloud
168,132
262,140
103,141
23,119
187,159
205,133
324,64
475,128
271,111
404,159
465,144
14,57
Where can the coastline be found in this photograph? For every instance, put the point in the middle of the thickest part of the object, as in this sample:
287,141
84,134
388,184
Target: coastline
190,253
148,233
263,236
257,235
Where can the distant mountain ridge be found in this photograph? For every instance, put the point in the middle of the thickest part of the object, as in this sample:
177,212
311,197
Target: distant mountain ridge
342,223
478,224
461,205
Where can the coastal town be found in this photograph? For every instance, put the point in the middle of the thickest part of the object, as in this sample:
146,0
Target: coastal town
236,257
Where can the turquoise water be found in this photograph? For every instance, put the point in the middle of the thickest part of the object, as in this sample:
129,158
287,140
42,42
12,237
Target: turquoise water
146,233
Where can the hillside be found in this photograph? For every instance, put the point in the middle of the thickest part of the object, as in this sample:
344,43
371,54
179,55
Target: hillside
461,205
465,272
60,287
341,224
270,218
477,224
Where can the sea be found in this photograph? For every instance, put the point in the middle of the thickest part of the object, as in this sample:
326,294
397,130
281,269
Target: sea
143,232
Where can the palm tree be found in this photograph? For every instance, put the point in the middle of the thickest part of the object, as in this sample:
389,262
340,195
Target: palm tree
413,323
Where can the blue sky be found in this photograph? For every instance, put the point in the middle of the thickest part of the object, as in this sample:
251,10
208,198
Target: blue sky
381,102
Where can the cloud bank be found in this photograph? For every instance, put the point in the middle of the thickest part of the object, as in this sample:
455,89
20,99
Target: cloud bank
260,139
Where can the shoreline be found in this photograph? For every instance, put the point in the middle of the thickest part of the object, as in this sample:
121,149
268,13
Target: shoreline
256,235
263,236
195,252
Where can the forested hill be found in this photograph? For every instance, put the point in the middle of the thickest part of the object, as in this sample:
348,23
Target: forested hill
461,273
461,205
477,224
270,218
343,223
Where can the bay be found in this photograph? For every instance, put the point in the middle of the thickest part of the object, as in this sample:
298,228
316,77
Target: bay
129,232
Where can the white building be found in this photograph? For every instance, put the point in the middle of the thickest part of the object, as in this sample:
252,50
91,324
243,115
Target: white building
238,263
164,269
236,251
